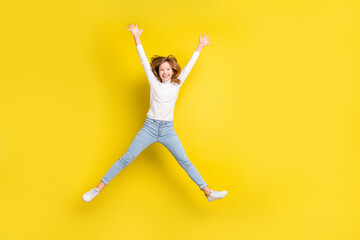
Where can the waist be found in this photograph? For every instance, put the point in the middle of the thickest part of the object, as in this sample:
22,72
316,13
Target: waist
157,120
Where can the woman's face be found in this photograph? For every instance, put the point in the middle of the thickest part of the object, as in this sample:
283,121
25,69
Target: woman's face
165,71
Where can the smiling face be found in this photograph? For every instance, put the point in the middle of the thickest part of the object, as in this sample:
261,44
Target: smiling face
165,72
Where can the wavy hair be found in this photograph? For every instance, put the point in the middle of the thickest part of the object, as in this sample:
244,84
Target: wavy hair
156,61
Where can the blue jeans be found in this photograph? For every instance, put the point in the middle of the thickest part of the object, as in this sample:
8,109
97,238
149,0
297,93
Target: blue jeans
153,131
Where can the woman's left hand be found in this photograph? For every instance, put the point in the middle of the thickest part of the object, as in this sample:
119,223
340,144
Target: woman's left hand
203,41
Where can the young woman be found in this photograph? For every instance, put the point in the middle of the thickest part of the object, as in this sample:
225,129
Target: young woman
165,78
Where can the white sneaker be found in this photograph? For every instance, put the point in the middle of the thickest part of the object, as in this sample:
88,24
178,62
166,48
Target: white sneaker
87,197
216,195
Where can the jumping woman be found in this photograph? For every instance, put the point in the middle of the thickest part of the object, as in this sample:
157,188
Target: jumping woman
165,78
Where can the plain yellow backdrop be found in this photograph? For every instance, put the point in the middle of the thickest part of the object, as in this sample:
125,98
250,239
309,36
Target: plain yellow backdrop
270,112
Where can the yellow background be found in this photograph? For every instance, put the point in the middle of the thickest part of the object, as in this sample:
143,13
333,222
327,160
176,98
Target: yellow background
270,112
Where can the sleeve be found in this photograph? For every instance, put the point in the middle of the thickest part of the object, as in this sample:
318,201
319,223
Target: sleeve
146,65
186,70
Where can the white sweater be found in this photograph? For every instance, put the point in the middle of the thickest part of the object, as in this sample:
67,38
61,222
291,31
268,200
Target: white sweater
163,96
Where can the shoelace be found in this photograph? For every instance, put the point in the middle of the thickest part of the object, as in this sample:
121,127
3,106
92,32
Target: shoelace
92,192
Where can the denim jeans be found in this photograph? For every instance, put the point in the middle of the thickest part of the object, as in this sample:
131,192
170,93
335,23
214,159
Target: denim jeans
153,131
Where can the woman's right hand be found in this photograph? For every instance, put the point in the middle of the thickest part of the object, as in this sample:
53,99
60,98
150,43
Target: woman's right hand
134,30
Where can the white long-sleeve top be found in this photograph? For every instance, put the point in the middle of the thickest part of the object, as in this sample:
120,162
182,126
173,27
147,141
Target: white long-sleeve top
163,96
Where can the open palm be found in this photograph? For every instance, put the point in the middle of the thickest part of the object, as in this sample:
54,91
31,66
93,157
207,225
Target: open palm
203,41
134,30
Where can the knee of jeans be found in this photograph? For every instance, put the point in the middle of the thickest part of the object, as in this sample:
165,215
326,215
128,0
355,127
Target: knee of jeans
127,158
185,162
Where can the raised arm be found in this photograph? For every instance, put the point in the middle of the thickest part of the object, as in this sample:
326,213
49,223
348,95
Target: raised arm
143,59
203,41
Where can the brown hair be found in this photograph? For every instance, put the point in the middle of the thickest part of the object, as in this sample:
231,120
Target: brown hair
156,61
